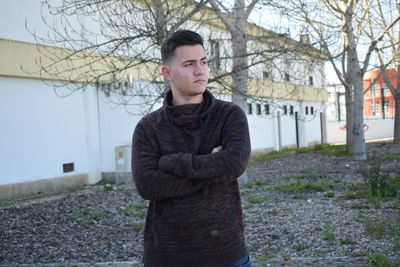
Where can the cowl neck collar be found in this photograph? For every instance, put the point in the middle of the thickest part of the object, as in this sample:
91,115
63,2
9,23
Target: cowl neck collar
188,116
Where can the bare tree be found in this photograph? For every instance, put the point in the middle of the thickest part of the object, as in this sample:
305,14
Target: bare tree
337,27
104,43
235,22
383,15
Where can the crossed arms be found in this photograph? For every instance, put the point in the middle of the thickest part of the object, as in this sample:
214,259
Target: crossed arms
179,174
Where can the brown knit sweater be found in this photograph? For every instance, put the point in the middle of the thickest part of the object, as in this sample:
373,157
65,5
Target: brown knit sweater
194,217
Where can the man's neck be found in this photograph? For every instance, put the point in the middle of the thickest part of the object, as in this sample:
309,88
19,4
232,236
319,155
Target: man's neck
178,100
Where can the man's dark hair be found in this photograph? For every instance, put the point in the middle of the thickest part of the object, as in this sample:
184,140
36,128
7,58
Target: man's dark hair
179,38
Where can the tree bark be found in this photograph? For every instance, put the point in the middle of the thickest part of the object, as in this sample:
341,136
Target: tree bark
349,118
239,50
396,131
355,77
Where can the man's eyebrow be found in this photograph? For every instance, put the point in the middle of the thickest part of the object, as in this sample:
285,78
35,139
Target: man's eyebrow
193,60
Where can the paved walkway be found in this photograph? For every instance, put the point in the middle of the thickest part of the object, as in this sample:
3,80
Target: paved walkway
294,262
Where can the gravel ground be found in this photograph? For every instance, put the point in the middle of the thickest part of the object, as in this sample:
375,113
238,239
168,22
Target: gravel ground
298,228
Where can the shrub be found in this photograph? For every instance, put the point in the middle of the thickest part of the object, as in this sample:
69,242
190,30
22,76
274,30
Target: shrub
377,181
378,259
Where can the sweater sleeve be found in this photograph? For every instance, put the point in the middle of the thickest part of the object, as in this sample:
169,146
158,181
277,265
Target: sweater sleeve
231,161
151,182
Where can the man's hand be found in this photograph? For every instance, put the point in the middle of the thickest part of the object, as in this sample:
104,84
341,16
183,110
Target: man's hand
216,149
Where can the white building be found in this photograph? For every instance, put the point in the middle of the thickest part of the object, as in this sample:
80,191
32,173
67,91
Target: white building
48,142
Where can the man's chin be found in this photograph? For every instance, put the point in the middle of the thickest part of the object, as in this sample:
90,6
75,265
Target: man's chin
198,91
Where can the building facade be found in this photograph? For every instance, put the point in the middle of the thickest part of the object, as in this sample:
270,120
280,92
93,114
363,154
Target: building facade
378,100
51,138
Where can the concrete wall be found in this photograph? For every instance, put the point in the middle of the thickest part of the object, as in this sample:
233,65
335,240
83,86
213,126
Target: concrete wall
278,130
39,132
374,129
117,123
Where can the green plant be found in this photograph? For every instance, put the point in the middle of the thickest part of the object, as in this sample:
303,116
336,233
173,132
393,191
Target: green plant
359,206
141,214
374,228
248,185
256,199
134,209
304,150
266,256
138,226
100,215
335,150
259,182
329,194
273,155
347,242
297,196
300,247
87,219
272,212
378,259
318,186
329,235
378,182
307,176
320,252
140,206
319,147
108,187
355,195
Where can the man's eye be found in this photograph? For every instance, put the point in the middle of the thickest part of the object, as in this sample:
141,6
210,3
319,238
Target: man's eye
204,63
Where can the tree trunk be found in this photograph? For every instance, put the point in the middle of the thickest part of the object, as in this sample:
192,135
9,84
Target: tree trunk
396,96
355,78
396,132
349,118
358,126
239,51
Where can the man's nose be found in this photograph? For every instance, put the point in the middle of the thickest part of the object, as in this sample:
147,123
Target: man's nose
200,69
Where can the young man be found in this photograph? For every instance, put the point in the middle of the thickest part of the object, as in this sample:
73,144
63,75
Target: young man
186,158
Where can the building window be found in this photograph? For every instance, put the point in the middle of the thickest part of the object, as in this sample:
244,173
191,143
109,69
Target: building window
385,89
385,107
215,57
266,109
249,108
284,110
306,110
312,110
258,109
287,77
291,110
375,91
310,80
375,108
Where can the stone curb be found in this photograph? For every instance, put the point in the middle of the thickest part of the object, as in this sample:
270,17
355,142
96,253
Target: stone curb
274,262
90,264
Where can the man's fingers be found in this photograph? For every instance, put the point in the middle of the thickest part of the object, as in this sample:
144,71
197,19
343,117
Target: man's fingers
216,149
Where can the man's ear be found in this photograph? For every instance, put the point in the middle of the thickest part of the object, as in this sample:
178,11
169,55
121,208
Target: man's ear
166,73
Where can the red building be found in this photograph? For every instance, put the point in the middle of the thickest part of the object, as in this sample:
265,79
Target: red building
378,100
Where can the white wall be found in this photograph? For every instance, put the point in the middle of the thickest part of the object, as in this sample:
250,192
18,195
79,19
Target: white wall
116,129
264,129
39,132
261,132
374,129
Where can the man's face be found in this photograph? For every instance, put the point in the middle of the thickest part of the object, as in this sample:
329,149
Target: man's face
188,71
